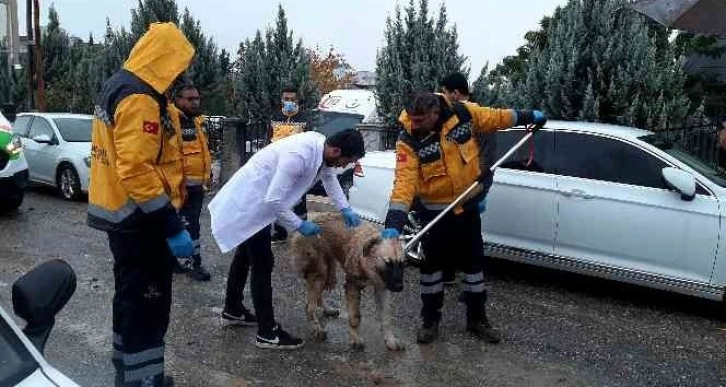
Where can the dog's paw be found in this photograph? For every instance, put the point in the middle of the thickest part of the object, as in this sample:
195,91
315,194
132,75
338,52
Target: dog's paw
393,344
357,345
320,335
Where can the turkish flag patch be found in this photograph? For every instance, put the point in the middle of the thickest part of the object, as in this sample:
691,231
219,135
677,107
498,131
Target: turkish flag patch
151,127
401,157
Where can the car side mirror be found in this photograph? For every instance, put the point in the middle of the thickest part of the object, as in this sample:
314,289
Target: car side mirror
683,182
39,295
43,139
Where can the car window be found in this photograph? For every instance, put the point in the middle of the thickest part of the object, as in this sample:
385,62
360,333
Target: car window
20,126
40,126
600,158
540,147
74,129
330,123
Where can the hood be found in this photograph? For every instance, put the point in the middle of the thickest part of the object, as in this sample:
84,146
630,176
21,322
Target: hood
81,148
160,56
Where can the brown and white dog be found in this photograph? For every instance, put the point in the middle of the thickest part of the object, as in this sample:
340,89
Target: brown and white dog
365,258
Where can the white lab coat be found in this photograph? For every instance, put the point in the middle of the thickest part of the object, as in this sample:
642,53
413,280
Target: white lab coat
266,188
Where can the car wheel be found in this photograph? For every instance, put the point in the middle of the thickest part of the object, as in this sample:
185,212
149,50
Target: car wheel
69,185
12,202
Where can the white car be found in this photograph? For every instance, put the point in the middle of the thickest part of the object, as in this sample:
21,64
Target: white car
22,364
37,296
603,200
58,150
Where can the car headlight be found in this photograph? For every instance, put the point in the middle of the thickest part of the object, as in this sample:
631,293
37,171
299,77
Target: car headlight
15,146
87,160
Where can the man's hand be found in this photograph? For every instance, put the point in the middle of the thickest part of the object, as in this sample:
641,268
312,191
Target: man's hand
390,233
309,228
181,244
531,117
539,120
350,218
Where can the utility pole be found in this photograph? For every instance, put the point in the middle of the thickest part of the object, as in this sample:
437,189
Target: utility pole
30,65
39,72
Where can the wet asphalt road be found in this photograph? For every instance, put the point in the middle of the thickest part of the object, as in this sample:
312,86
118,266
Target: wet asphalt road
560,329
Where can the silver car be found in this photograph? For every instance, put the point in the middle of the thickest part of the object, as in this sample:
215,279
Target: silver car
58,150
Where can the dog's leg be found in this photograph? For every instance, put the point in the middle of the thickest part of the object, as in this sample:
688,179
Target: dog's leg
314,299
352,296
385,314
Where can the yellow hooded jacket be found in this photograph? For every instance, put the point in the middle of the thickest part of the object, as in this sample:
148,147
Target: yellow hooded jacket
197,158
136,155
441,167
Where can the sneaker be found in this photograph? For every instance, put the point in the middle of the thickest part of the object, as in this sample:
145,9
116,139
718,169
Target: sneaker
428,332
278,339
245,319
199,273
484,331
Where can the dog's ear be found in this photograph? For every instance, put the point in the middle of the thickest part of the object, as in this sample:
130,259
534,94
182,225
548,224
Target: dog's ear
370,245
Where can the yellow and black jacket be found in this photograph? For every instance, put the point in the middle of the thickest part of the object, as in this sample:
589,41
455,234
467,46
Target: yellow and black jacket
284,125
136,158
197,159
438,168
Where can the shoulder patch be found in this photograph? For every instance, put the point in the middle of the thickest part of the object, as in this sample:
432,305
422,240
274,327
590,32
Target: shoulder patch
151,127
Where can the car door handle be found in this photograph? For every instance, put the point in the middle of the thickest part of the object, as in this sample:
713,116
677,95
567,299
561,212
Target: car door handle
578,193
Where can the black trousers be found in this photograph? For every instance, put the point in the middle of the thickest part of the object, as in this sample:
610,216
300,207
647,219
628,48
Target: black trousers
256,254
191,212
453,243
142,270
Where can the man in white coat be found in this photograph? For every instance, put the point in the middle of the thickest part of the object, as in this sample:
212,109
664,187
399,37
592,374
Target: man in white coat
264,191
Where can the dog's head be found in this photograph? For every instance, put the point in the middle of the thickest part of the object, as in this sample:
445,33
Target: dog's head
389,262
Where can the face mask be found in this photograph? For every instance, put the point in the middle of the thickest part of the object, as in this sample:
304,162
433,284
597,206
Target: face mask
288,106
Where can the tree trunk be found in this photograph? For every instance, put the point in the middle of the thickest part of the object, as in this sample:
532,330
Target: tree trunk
39,72
30,65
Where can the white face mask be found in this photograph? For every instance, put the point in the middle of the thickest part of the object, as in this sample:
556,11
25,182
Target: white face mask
289,106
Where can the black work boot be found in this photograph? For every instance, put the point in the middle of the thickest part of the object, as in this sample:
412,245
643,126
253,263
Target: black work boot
428,332
483,330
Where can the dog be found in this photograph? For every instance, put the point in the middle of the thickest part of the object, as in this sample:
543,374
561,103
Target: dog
364,257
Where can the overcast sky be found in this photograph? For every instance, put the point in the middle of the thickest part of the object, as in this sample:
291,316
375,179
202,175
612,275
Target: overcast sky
488,29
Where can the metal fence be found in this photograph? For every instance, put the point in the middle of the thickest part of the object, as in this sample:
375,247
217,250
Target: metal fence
698,140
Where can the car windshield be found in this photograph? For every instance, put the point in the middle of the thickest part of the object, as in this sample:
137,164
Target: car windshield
330,123
16,363
703,159
74,129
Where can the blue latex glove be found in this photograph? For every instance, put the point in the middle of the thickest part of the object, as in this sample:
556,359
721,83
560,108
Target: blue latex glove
181,244
309,228
539,119
483,206
390,233
350,218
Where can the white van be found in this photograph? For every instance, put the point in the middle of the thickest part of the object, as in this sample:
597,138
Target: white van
344,109
340,110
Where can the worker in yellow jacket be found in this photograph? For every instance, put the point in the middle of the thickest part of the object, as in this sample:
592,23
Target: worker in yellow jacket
197,170
136,189
437,159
